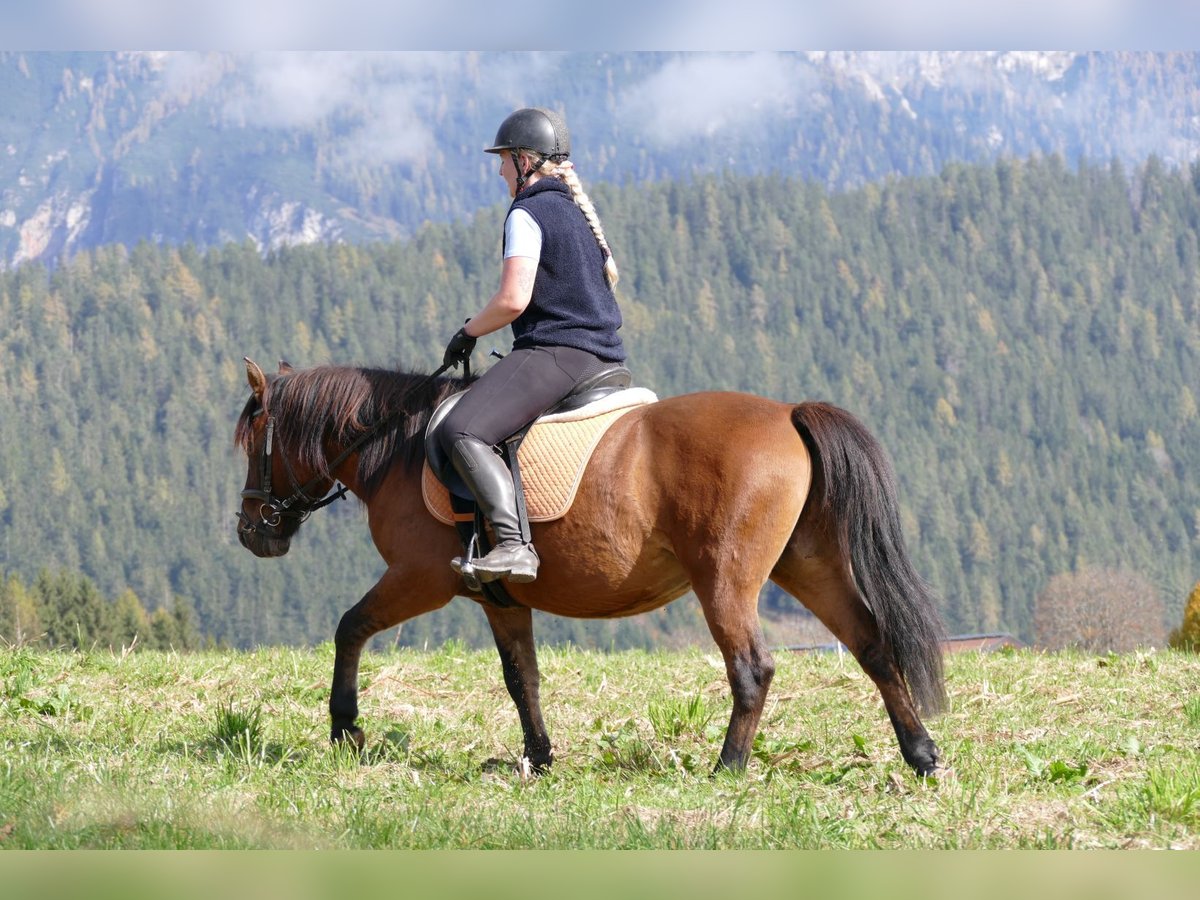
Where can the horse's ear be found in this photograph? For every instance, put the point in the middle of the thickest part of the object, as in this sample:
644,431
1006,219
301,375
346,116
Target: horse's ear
258,381
285,367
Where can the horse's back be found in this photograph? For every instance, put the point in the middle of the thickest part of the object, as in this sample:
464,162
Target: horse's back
696,470
728,454
720,435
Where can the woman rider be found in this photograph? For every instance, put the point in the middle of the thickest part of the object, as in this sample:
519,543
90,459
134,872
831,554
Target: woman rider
556,292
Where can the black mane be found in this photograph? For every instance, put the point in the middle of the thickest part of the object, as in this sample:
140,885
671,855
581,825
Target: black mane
336,404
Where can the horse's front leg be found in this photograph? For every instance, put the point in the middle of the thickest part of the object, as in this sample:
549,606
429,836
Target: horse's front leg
513,630
397,596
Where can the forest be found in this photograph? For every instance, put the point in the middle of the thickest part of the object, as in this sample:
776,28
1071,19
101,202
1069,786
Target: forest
1022,336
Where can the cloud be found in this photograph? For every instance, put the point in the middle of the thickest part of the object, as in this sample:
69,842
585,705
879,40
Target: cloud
380,106
301,89
704,95
396,127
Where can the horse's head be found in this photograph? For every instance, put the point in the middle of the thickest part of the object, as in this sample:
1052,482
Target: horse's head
267,521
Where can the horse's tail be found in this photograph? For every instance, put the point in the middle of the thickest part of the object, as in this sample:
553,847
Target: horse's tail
854,482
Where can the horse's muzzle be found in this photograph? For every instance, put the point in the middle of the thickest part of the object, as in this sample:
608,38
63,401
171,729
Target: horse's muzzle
262,546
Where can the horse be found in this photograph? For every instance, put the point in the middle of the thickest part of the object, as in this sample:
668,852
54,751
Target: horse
713,492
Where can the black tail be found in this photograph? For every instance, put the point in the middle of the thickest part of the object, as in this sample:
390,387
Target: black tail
860,497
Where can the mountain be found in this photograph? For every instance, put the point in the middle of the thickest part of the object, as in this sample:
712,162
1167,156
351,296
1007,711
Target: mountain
297,148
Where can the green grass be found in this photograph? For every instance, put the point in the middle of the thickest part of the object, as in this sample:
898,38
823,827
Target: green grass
229,750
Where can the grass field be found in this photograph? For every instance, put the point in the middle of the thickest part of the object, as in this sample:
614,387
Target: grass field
229,750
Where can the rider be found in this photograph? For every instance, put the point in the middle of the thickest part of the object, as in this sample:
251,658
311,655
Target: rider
556,290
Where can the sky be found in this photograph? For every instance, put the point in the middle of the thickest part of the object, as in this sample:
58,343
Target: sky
612,25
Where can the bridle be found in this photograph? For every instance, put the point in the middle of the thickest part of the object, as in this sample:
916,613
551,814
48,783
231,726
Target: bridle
301,503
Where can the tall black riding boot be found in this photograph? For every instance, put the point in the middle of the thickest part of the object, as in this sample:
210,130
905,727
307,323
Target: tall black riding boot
490,481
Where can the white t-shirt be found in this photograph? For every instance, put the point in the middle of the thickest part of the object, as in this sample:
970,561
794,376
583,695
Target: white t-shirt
522,235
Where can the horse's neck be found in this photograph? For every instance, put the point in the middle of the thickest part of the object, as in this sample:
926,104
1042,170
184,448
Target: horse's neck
401,478
345,470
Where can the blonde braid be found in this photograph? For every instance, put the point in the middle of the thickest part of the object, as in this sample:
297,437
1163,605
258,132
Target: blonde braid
565,172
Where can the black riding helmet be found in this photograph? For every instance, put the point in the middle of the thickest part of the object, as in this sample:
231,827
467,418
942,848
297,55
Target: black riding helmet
537,129
534,128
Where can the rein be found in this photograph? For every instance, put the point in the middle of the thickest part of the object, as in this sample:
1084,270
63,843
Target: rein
300,504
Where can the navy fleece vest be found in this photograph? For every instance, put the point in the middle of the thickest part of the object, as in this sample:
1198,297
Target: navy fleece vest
572,305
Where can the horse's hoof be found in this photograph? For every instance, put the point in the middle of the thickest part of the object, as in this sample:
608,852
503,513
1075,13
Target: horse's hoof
350,734
927,766
923,758
524,768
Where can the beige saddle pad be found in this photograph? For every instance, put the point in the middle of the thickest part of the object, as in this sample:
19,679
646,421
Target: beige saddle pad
552,456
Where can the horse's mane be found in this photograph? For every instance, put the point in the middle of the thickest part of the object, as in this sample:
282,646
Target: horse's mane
336,404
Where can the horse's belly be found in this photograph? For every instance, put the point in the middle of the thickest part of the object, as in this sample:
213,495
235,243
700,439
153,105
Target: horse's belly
582,577
583,603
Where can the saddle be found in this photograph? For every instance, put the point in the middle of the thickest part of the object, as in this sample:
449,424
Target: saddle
563,441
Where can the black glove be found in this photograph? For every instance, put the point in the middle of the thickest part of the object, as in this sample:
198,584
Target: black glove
459,349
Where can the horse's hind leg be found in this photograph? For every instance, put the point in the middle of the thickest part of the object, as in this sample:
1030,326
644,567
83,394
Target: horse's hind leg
829,592
732,615
513,630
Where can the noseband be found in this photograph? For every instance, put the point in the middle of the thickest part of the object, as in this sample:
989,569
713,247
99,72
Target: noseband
300,504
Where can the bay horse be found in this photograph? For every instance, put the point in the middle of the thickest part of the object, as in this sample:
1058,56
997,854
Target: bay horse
715,492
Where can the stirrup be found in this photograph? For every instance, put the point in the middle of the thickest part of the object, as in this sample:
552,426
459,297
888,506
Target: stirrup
464,566
522,572
470,577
